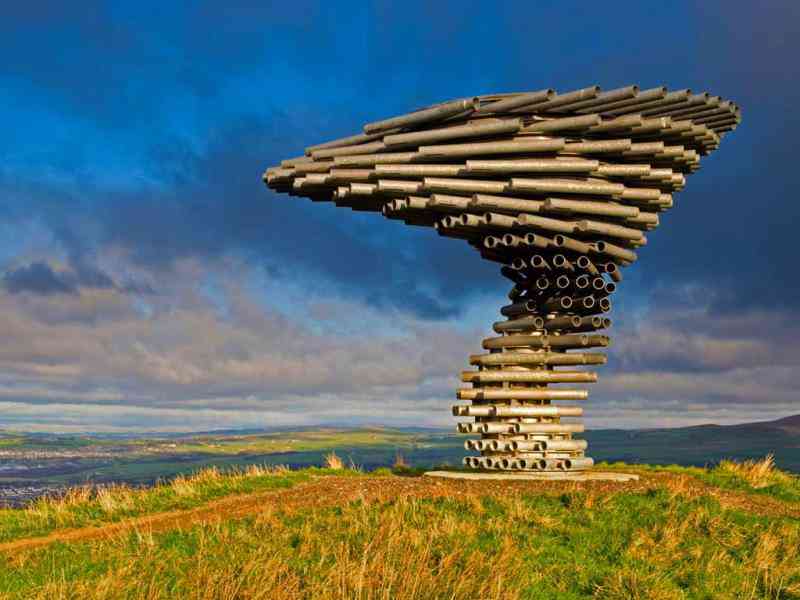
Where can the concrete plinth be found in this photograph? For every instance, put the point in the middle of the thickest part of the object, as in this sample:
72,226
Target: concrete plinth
533,476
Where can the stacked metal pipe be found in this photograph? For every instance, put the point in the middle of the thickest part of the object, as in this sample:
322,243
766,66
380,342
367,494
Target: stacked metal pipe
560,189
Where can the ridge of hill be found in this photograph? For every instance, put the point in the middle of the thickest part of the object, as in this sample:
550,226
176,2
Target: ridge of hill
790,424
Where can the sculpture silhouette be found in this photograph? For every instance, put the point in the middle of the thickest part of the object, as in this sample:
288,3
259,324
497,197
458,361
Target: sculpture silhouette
559,189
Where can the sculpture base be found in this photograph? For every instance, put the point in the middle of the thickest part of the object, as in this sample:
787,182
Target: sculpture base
533,476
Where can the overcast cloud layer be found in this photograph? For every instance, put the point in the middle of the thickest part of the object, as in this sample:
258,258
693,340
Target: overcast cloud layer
148,280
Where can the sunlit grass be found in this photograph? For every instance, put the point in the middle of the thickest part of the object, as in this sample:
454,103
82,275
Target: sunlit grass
757,476
653,544
332,461
301,441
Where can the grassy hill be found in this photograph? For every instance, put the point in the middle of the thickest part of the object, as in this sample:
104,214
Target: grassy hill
272,533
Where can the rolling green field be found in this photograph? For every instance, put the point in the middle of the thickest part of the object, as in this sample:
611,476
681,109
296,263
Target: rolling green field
728,532
73,460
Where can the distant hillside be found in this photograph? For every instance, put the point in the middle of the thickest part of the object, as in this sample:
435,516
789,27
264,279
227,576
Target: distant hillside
702,444
789,424
36,464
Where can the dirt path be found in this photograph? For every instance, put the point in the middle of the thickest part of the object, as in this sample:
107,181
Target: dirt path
331,491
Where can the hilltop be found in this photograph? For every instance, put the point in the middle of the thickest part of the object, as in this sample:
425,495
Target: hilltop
729,532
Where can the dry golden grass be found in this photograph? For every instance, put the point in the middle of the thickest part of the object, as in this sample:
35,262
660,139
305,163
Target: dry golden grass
84,505
631,584
757,473
354,467
775,563
361,555
400,462
58,508
766,560
332,461
682,485
113,499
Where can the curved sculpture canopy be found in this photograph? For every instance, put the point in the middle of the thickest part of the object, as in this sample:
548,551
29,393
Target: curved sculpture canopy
561,190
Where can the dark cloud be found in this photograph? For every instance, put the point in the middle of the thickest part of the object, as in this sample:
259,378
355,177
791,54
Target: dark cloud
39,278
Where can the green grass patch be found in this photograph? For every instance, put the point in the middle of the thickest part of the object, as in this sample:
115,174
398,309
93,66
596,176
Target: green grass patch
11,442
300,441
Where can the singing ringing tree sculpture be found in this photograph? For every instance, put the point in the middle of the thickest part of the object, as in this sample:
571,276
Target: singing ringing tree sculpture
558,188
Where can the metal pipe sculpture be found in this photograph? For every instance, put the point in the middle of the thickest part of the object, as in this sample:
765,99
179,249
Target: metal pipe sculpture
560,189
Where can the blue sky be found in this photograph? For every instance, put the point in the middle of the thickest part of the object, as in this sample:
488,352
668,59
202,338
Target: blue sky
150,281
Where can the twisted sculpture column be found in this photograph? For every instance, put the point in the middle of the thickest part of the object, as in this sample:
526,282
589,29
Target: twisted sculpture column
548,335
